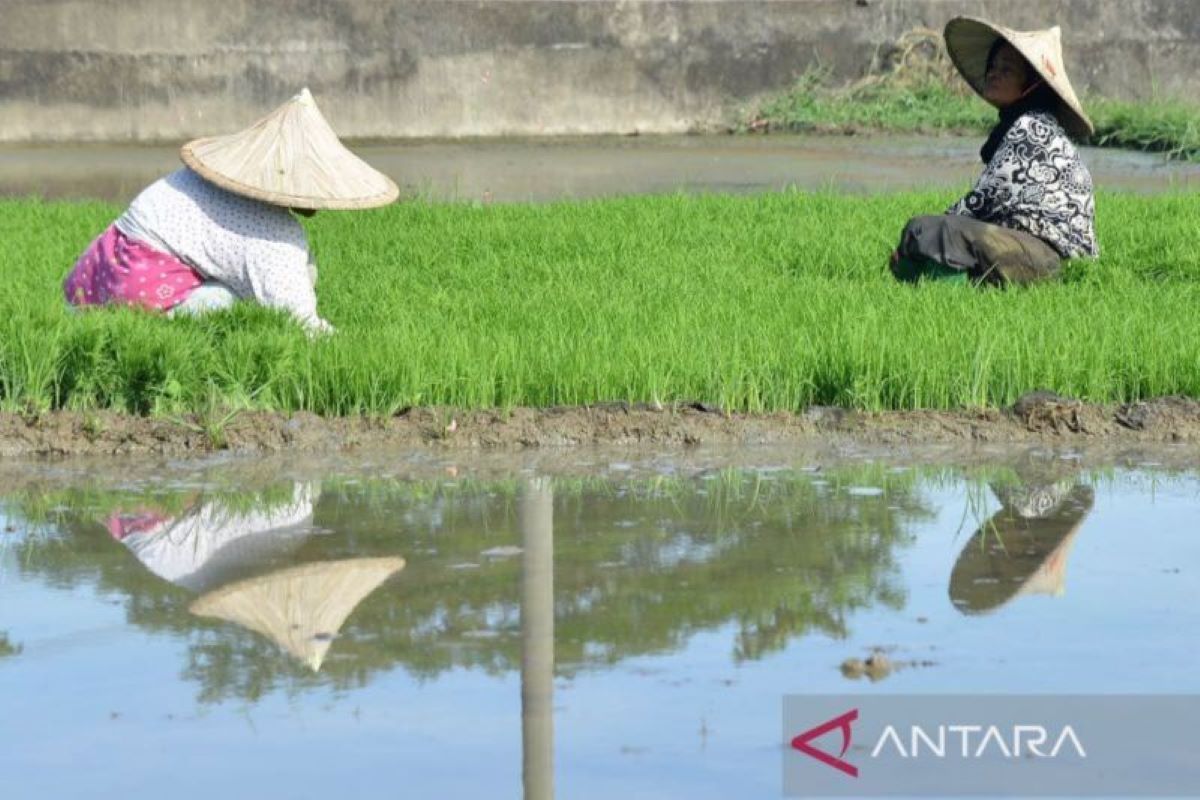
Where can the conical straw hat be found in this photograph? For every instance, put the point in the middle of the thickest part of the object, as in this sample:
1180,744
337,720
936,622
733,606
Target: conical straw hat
969,40
292,158
1013,554
299,608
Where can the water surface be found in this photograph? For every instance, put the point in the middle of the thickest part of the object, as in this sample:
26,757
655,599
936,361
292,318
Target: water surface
504,170
625,626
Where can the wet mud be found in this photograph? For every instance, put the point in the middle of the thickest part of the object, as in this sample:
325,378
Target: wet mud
1036,418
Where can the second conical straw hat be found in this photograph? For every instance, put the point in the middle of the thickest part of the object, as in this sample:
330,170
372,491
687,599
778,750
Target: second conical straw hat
291,158
970,40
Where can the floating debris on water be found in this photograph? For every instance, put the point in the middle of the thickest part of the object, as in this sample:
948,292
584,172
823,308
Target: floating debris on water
481,634
876,667
504,551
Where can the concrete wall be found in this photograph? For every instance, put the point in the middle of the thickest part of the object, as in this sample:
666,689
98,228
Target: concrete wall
147,70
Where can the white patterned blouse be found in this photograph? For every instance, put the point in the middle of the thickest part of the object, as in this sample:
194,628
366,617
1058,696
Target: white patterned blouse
259,251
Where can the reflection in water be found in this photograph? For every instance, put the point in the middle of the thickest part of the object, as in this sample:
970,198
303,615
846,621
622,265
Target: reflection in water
213,543
640,567
7,648
302,608
1023,548
676,606
537,638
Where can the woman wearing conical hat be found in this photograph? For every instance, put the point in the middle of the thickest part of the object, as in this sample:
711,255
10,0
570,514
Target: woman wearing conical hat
223,228
1033,206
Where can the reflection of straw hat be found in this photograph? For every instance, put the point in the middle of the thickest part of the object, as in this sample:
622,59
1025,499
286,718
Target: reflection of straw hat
1013,554
969,40
292,158
300,608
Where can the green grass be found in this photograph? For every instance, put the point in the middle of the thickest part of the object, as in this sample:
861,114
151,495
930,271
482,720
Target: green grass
1170,127
933,104
755,303
925,105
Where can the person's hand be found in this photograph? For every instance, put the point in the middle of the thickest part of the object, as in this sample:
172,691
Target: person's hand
319,327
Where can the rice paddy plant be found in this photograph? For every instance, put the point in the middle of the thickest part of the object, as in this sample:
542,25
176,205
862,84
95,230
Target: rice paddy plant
772,302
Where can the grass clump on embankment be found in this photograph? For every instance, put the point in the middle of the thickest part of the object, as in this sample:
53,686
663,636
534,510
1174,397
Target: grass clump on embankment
917,90
754,303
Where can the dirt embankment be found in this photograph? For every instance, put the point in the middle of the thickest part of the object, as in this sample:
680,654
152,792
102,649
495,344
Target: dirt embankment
1038,417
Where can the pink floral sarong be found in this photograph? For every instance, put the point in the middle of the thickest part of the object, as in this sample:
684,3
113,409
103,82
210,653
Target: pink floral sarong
123,271
121,524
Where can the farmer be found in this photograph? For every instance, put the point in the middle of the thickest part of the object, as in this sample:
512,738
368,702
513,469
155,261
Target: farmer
222,228
1033,205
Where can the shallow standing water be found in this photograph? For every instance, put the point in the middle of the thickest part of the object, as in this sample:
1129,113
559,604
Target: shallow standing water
609,625
505,170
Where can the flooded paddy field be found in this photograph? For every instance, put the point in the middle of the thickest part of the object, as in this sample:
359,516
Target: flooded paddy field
577,622
519,170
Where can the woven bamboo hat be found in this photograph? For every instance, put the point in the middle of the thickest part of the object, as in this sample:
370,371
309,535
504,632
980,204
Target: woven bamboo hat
300,608
970,40
291,158
1023,549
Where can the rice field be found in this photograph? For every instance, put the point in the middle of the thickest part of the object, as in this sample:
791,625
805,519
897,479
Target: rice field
762,303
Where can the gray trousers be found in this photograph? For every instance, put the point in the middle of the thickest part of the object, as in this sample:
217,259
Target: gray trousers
948,244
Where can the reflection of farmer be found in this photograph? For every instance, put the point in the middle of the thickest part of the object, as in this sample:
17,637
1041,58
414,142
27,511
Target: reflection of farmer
1033,205
210,543
1024,547
219,229
232,556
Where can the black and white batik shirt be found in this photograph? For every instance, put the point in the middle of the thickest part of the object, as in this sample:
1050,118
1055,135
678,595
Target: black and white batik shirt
1037,183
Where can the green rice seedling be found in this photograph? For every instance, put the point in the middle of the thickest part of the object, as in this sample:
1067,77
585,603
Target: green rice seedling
214,417
763,303
93,426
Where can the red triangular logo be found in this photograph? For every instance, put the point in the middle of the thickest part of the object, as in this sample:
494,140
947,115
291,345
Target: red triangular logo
802,742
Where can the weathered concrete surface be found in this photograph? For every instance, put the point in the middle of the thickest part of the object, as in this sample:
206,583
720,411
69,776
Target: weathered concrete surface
145,70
